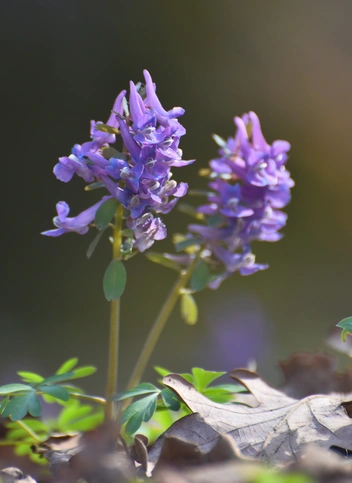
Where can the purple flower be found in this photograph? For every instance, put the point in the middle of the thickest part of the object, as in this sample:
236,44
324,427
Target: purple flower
79,224
138,172
147,229
249,186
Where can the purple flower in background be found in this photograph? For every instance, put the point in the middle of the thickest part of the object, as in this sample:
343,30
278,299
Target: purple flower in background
238,333
139,174
249,185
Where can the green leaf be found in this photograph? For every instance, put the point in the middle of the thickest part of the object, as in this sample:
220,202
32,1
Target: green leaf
200,277
188,242
143,388
19,406
218,395
134,423
93,245
189,309
59,378
170,399
72,389
188,377
162,371
35,407
12,388
346,326
114,280
89,422
30,377
203,378
105,128
141,410
83,371
72,413
109,152
105,213
94,186
231,388
163,260
67,366
4,403
34,424
57,392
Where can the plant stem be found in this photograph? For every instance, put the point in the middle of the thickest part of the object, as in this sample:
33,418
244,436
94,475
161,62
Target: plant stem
30,431
160,323
95,399
114,322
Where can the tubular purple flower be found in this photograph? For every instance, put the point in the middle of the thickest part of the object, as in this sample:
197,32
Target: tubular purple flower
79,224
139,177
116,109
249,186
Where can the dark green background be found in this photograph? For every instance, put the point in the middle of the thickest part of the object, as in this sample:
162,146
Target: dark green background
63,63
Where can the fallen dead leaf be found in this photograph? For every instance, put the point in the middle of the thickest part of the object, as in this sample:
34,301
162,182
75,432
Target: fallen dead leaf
94,457
308,373
278,429
14,475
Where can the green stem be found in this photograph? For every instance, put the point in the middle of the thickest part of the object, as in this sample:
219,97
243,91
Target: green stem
30,431
11,443
95,399
160,323
114,322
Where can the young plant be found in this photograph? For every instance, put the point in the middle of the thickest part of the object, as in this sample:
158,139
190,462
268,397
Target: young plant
157,400
23,400
248,187
130,158
137,180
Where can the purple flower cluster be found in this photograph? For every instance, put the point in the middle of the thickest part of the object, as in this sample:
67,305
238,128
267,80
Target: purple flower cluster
140,176
250,185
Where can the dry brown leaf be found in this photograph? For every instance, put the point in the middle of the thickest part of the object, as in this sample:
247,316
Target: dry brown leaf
95,459
229,472
14,475
308,373
278,429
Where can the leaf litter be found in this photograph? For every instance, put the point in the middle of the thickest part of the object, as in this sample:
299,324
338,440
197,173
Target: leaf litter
301,433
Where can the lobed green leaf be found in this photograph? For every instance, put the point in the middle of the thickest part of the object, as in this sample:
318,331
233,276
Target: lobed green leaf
143,388
57,392
30,377
89,422
83,371
13,388
19,406
67,366
139,411
59,378
162,371
171,400
203,378
346,326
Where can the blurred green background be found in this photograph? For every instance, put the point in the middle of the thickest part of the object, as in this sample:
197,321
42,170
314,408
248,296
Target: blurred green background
63,63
